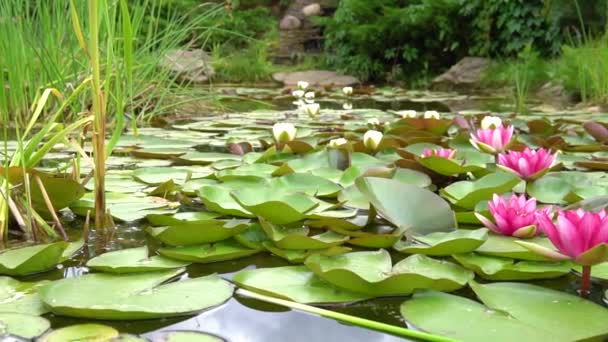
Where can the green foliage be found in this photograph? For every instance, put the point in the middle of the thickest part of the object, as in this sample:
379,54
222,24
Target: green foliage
583,70
248,65
504,28
409,38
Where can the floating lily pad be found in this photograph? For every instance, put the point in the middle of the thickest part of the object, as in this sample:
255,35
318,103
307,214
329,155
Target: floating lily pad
404,205
132,260
252,237
82,332
297,238
31,259
295,283
449,167
278,208
505,246
219,251
568,187
299,255
133,296
466,194
440,243
372,237
570,317
496,268
463,319
198,232
21,297
204,158
125,207
306,183
218,199
180,218
374,274
22,325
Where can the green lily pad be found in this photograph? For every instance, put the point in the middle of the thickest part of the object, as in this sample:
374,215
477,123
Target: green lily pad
31,259
297,238
133,296
373,273
404,205
568,187
219,251
570,317
297,256
204,158
440,243
505,246
500,269
449,167
218,199
21,297
278,208
295,283
82,332
413,177
23,325
187,336
466,194
159,175
463,319
125,207
372,237
306,183
180,218
252,237
132,260
198,232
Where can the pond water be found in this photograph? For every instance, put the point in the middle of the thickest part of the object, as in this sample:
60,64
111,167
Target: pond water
249,320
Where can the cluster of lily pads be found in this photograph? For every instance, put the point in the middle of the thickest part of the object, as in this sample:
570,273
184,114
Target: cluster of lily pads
361,204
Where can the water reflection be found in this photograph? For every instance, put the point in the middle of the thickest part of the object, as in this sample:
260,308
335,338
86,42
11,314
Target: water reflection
239,321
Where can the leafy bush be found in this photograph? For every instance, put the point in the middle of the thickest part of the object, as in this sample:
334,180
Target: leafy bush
504,28
408,37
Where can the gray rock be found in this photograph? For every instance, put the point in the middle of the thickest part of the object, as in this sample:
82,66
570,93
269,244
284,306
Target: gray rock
312,10
319,78
290,22
467,73
190,65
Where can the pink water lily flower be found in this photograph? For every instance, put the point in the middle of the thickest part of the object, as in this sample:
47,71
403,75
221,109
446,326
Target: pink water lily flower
578,235
527,164
439,152
513,217
492,140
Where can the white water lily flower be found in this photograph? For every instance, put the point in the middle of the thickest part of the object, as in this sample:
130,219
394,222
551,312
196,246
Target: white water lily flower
347,91
347,106
299,103
302,85
337,142
297,93
372,139
431,114
408,113
491,122
284,132
309,95
312,109
373,122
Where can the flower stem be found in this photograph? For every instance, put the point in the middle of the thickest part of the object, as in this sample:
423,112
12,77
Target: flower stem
586,282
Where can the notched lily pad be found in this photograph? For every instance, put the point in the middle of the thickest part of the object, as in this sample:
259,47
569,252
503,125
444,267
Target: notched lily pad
295,283
298,238
21,297
219,251
505,246
199,232
466,194
22,325
132,260
278,208
459,241
501,269
299,255
133,296
31,259
374,274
